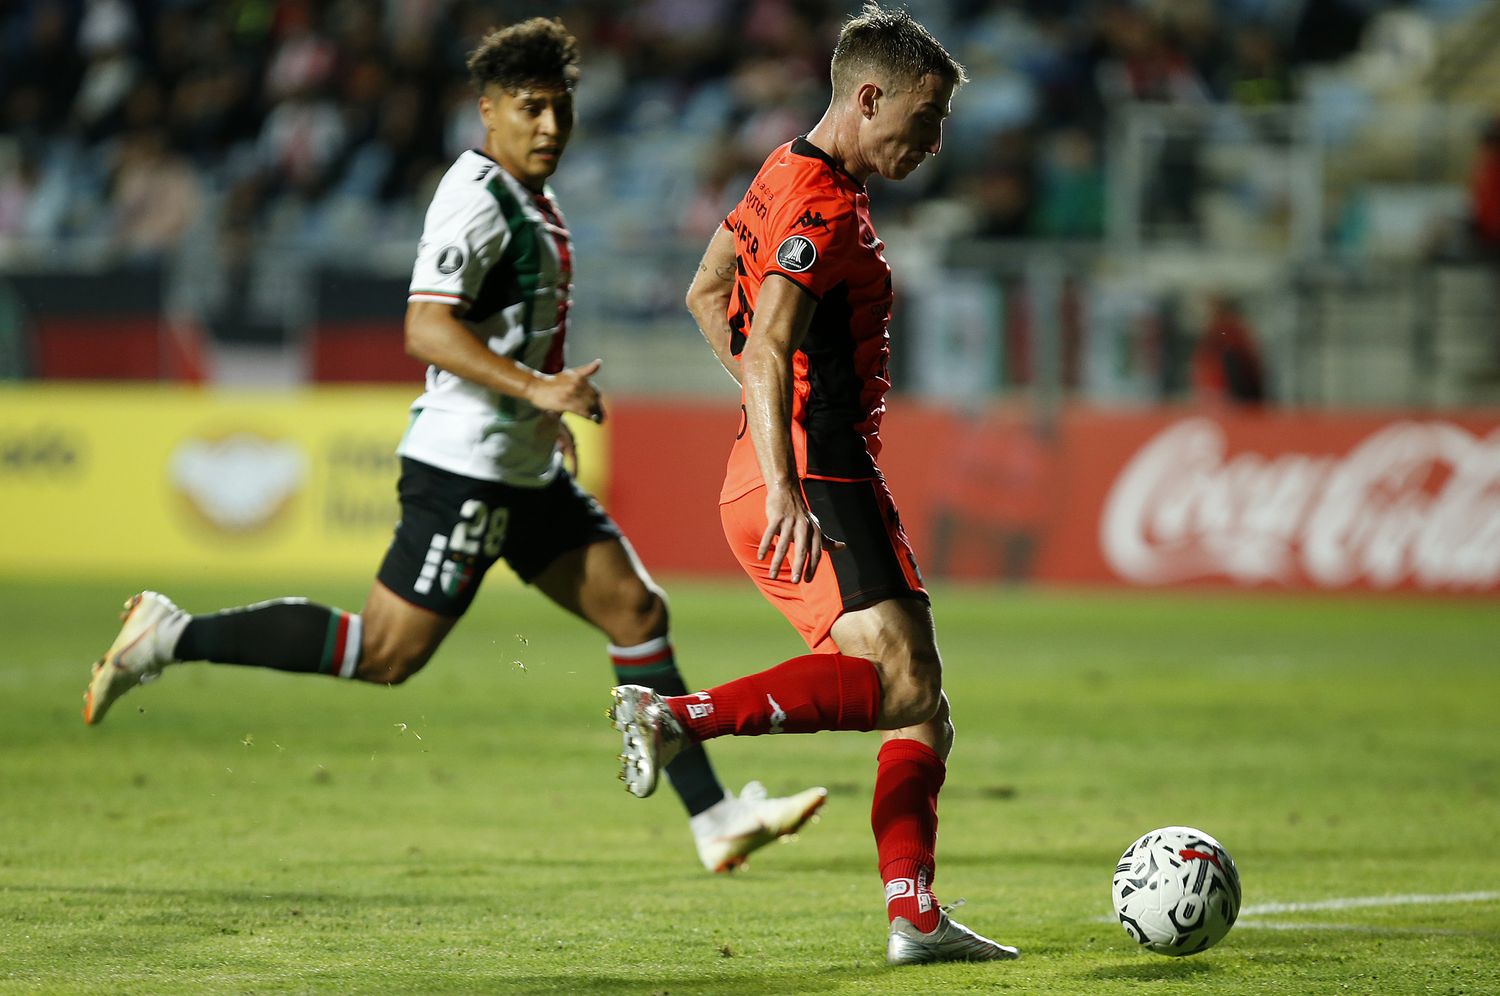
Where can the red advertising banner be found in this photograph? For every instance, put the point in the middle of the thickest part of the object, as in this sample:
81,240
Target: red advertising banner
1287,501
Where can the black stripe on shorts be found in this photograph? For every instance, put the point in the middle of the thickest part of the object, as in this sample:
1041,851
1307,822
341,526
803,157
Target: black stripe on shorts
861,515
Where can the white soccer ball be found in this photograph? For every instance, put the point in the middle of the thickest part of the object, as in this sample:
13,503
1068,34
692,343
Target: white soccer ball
1176,891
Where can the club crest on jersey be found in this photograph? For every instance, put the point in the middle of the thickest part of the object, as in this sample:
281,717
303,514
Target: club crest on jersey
450,260
796,253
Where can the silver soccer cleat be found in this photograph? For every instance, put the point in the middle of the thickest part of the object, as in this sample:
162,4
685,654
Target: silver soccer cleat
949,941
652,736
134,658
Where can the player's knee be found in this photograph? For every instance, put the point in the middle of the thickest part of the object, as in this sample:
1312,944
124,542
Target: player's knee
943,719
651,611
912,695
389,665
927,696
639,614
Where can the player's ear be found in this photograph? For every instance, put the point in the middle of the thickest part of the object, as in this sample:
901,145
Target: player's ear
487,105
868,98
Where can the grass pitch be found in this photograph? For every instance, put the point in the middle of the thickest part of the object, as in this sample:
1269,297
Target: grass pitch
234,830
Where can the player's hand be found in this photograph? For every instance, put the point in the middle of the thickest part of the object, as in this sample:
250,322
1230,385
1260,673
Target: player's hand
791,528
569,390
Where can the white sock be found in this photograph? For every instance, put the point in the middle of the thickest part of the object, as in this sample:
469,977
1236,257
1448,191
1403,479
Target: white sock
168,632
708,821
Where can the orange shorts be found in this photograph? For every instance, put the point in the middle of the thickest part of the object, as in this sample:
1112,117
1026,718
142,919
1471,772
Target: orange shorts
876,563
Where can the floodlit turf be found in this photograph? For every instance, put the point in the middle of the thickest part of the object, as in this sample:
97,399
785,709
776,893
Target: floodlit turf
232,830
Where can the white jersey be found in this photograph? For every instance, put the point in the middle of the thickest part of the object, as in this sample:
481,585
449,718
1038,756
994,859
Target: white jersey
501,255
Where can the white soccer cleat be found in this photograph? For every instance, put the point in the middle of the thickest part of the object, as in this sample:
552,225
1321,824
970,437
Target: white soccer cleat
652,736
729,831
136,656
948,941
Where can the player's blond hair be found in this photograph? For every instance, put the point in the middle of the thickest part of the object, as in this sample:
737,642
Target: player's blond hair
892,46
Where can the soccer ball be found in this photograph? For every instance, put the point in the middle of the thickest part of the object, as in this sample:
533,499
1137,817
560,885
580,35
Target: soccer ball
1176,891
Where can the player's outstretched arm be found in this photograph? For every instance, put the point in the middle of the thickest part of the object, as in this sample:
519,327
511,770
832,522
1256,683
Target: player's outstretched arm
435,335
708,297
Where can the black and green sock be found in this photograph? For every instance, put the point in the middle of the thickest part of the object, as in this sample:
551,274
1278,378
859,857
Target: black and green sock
288,634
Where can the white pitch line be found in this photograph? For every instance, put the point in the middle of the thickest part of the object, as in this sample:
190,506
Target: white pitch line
1359,928
1360,902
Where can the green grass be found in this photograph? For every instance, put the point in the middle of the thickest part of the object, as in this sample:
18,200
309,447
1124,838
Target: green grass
232,830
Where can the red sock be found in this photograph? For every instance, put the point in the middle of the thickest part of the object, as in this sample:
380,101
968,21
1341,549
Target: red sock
904,817
803,695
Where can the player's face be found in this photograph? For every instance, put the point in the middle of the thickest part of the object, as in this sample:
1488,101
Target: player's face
526,131
907,126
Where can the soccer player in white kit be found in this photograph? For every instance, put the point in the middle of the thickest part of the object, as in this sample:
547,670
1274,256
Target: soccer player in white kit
482,472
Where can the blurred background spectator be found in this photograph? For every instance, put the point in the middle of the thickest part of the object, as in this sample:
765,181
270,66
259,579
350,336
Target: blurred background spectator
154,197
1484,191
1226,364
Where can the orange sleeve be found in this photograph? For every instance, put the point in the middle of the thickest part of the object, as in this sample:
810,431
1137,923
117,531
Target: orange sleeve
813,233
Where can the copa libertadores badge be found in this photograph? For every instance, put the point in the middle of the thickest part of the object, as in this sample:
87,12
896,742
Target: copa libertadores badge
796,253
450,260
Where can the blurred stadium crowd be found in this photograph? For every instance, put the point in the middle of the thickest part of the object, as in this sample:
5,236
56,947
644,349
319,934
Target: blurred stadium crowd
327,121
1120,177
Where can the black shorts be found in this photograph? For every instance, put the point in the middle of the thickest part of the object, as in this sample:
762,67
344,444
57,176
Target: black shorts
453,528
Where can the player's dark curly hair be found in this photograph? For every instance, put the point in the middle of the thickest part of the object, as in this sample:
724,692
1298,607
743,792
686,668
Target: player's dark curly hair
535,53
893,44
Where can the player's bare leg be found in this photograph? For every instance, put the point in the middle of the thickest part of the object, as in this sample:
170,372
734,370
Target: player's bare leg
399,638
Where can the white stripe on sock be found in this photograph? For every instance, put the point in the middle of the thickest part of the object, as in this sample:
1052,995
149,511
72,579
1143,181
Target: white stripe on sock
647,649
351,646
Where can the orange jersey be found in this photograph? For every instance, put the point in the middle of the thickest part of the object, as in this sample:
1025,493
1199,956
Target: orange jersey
806,220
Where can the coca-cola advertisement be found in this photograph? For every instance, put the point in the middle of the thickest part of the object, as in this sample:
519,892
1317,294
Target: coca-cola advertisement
1414,503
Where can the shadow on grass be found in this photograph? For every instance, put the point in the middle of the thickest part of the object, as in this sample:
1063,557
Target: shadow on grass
1153,970
239,897
751,984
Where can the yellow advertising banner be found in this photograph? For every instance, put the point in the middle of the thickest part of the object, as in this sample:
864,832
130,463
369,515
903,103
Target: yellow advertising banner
126,481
